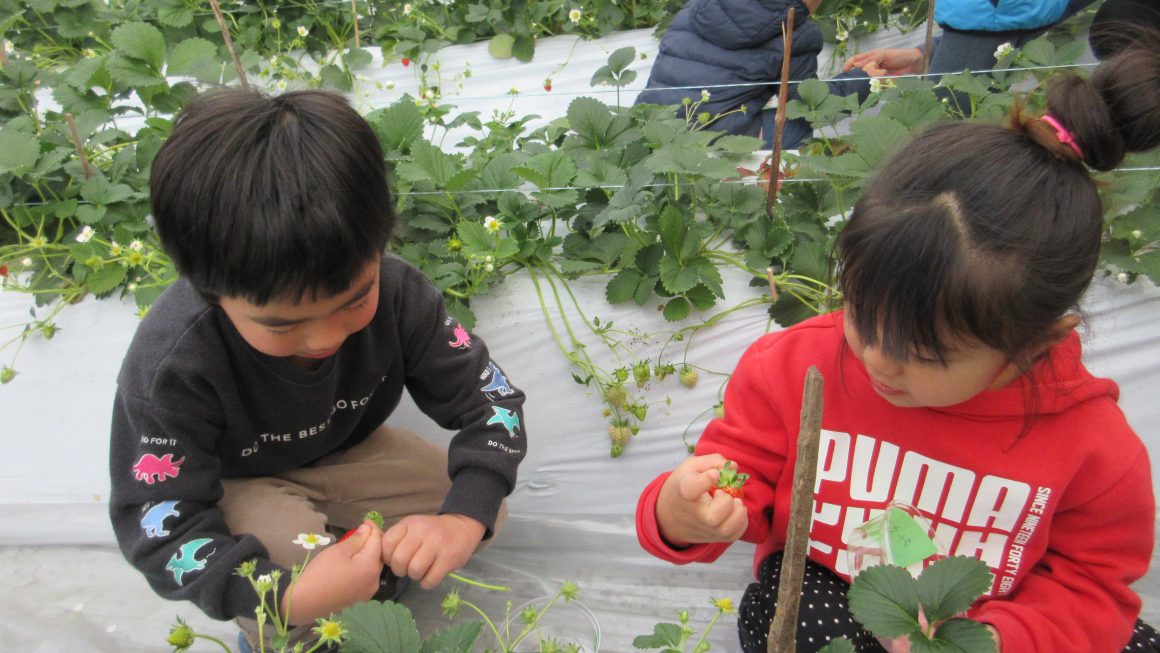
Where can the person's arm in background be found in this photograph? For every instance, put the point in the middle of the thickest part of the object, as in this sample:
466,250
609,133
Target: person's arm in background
887,61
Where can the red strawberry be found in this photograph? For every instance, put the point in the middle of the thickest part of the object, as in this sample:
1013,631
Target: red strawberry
372,515
3,270
548,85
406,61
730,482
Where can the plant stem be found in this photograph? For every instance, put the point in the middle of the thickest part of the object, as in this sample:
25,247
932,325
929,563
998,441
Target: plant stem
487,620
705,633
476,583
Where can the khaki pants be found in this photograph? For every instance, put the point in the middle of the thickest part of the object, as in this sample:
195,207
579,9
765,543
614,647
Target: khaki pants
393,471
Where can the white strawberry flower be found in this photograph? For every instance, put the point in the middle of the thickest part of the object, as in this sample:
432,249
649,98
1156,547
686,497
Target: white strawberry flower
302,31
575,15
1003,50
85,235
311,541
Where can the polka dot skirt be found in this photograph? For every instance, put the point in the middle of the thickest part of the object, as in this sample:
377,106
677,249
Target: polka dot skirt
824,614
1144,638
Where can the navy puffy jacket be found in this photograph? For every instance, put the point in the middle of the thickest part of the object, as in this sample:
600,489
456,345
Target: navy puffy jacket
714,42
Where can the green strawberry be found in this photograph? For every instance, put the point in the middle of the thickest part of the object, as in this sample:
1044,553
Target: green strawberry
688,376
664,369
618,434
616,395
719,410
641,372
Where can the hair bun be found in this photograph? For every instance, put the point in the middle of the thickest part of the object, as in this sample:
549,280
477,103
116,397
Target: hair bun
1115,112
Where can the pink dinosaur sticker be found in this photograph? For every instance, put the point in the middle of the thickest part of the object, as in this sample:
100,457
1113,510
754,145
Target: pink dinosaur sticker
152,469
462,340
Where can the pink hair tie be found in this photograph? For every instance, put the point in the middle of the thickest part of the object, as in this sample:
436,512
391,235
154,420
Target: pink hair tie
1064,136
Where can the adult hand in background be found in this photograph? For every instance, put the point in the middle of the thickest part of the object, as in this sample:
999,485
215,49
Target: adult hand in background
886,61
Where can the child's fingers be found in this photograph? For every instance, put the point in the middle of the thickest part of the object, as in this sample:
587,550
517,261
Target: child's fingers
372,544
737,522
695,486
420,565
356,539
397,549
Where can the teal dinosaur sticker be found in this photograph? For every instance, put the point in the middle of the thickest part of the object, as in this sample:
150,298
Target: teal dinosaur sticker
185,560
507,418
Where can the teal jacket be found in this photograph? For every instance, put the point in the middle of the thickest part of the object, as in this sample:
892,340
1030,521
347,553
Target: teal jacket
998,15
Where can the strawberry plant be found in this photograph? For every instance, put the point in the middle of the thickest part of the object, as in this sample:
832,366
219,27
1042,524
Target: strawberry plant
640,197
676,638
927,610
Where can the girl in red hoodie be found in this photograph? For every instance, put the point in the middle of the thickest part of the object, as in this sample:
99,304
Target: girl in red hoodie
954,385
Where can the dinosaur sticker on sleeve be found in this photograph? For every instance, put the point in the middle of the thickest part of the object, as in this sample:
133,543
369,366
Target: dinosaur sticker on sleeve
153,522
462,340
186,560
499,383
151,469
507,418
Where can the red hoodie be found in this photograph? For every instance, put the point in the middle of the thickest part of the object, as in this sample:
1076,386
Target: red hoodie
1062,511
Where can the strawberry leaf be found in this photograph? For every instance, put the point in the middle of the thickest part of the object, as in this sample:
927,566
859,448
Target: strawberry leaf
663,635
840,645
951,585
377,627
884,599
961,636
453,638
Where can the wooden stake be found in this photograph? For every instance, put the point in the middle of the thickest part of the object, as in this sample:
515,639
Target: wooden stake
221,21
772,284
783,628
926,53
354,17
3,51
76,139
779,121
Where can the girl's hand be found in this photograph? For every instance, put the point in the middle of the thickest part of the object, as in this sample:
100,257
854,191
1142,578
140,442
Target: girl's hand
427,547
341,575
688,514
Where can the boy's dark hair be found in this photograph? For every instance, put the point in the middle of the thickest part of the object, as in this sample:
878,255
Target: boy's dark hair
266,198
994,232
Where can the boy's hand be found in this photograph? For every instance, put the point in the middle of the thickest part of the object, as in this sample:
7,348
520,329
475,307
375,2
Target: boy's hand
687,513
886,61
339,576
427,548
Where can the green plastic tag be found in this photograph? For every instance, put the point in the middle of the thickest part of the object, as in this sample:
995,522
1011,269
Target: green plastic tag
908,541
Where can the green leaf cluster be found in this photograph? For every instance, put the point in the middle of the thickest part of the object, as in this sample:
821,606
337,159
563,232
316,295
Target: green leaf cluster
888,602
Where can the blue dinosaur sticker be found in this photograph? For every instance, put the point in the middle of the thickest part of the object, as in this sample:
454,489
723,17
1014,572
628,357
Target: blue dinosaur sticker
154,520
185,560
507,418
498,383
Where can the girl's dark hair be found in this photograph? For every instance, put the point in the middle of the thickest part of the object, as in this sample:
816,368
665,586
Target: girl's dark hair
268,198
993,232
